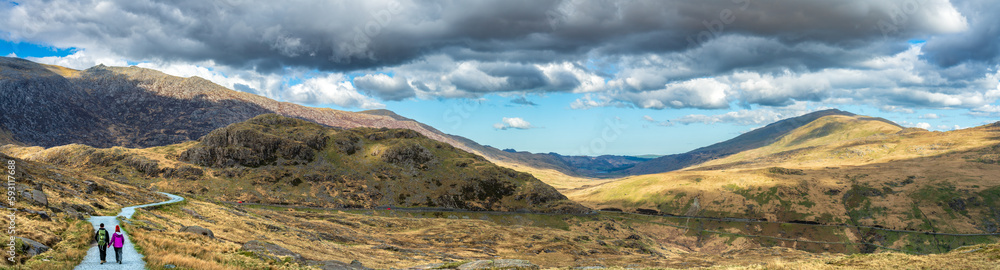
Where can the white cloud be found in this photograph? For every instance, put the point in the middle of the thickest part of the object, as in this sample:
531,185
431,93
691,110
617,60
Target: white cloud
986,111
890,108
947,127
385,87
82,60
513,122
751,117
930,116
665,123
592,101
332,89
923,125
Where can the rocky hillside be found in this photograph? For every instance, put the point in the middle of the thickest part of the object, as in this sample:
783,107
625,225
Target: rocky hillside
136,107
51,203
274,159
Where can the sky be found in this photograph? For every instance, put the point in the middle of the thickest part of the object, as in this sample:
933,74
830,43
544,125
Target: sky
574,77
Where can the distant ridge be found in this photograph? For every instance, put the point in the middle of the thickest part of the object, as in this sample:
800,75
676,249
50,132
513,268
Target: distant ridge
754,139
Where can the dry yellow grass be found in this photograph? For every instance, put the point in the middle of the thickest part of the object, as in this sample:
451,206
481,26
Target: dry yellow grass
900,165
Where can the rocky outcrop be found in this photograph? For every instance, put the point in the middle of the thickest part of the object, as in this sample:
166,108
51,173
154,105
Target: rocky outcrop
248,144
399,167
30,247
36,197
183,172
198,230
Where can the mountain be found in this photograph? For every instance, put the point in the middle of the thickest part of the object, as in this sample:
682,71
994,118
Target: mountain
750,140
136,107
837,169
274,159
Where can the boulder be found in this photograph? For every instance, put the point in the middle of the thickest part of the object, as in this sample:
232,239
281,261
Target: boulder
91,186
198,230
35,197
497,265
31,247
81,208
71,213
271,251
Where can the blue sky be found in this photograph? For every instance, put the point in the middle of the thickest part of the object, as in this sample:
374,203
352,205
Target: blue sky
544,76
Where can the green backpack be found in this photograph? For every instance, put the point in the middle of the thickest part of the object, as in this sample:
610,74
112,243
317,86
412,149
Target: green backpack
102,237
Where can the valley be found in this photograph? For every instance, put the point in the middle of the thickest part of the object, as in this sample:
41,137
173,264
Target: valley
272,185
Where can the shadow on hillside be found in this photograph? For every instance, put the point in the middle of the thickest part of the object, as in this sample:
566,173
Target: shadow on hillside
105,109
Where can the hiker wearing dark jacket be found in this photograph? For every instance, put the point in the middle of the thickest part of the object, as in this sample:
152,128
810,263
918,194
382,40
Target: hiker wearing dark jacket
102,239
118,241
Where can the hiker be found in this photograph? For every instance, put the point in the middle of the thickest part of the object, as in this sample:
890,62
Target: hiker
102,242
118,240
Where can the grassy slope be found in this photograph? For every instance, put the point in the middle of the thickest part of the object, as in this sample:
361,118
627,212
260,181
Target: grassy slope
837,170
279,160
751,140
394,239
68,237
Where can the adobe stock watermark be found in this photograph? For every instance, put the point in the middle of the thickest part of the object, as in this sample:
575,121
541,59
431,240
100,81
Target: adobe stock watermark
898,16
362,35
459,112
11,217
716,27
612,131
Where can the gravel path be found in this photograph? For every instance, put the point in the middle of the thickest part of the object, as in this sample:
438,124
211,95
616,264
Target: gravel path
131,258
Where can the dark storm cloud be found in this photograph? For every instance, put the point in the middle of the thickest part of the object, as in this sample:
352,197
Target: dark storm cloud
351,35
648,54
980,44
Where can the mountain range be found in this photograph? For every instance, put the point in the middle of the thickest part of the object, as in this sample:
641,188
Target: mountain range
107,136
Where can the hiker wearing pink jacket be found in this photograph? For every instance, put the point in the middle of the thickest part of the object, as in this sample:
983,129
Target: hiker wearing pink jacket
117,240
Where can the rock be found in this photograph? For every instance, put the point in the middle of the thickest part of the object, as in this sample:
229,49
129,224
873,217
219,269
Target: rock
82,208
271,251
91,186
169,266
71,213
198,230
41,214
36,197
183,172
497,265
32,247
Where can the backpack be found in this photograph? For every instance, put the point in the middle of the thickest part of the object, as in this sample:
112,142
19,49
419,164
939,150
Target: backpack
102,237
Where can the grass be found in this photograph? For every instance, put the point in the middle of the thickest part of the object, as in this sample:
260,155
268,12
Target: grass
67,253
